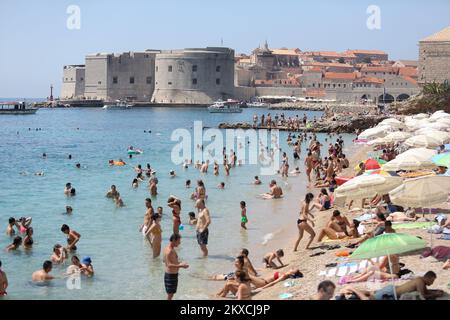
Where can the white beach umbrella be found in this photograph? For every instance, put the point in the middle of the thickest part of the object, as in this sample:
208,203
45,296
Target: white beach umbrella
422,141
439,115
413,159
397,136
442,136
423,192
367,186
392,122
421,116
444,120
376,132
415,124
437,126
377,142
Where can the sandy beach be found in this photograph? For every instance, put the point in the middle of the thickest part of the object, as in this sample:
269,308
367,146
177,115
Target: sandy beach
305,287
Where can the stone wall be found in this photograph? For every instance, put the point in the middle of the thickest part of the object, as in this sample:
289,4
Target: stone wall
73,82
434,61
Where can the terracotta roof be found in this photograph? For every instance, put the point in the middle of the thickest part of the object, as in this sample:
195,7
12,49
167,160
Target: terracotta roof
441,36
408,71
366,52
329,64
409,79
288,52
379,69
340,75
369,80
409,63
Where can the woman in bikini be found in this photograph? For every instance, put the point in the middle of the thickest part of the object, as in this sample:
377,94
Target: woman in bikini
155,233
244,291
263,283
385,270
175,204
28,240
302,223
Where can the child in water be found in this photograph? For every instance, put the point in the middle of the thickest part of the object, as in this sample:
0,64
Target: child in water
244,219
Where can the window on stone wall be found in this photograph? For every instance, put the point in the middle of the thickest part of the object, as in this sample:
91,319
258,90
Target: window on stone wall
81,79
131,80
194,81
218,81
149,80
194,68
114,80
170,68
99,82
218,69
345,85
169,83
156,68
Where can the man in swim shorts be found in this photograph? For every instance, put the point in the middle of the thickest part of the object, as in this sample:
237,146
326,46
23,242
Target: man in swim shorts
172,266
203,221
43,274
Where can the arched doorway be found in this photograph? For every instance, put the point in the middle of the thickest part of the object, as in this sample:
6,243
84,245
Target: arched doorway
386,98
402,97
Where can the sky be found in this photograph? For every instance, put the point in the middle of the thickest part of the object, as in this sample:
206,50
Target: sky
35,42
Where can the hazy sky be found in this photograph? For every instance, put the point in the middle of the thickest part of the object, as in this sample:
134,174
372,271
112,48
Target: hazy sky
35,42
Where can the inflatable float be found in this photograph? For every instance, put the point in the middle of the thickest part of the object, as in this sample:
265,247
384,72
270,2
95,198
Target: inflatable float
137,151
116,163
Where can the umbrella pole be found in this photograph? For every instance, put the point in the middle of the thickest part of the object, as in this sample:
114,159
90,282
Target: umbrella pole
390,268
431,233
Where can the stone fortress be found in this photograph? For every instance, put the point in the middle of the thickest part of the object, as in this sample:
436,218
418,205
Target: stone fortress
199,76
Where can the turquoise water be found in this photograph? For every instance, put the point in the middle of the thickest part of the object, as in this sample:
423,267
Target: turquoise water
109,235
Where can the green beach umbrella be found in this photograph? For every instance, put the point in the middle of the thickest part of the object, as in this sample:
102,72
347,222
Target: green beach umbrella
387,244
442,160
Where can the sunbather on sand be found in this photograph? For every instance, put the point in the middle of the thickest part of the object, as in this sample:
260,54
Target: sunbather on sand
336,227
332,234
400,216
446,265
263,283
381,271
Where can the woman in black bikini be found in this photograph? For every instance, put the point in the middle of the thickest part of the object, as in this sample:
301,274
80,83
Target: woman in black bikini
302,223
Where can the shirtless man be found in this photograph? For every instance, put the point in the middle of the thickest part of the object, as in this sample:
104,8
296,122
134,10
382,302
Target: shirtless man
172,266
203,222
275,191
68,189
59,254
112,193
72,237
152,186
3,281
147,217
10,229
43,274
325,291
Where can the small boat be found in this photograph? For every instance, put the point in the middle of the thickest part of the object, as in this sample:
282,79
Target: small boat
16,108
229,106
117,105
257,104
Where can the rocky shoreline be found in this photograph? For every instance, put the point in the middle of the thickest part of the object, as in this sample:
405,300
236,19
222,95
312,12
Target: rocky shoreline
339,124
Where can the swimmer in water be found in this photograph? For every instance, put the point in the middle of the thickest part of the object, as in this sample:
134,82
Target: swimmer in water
69,210
159,211
17,242
296,171
244,219
256,181
68,188
118,201
192,218
87,266
172,173
221,185
72,237
78,166
10,228
43,274
112,193
59,254
188,183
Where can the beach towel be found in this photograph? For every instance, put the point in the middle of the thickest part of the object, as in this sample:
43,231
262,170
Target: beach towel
348,268
412,225
285,296
326,239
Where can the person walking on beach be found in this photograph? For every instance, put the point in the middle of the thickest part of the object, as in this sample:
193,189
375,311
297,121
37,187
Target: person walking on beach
3,281
172,266
72,237
244,219
302,223
203,222
175,204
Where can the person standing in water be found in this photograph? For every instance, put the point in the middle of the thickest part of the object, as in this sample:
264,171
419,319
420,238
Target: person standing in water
147,217
3,281
155,233
244,219
175,204
302,223
43,274
72,237
203,222
172,266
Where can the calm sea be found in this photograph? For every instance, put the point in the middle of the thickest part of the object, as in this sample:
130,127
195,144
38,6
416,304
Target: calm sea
122,259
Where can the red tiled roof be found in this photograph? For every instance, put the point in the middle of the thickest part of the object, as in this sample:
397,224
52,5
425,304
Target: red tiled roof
340,75
369,80
408,71
379,52
379,69
409,79
329,64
